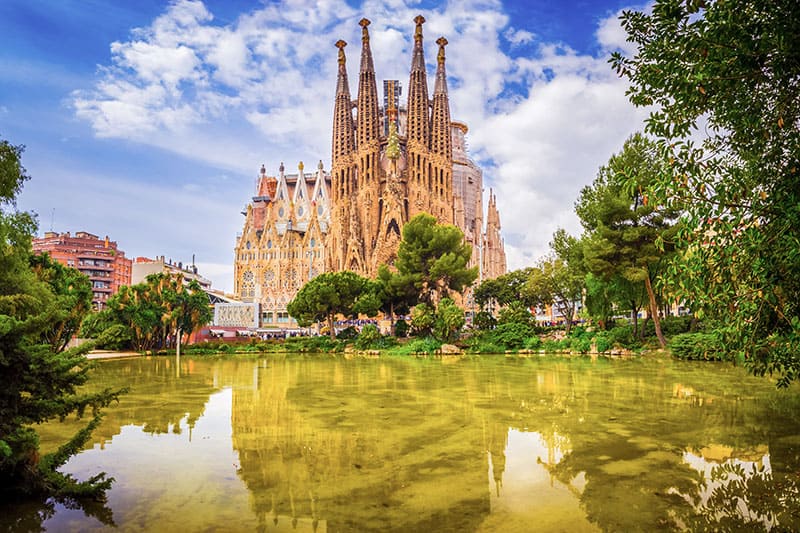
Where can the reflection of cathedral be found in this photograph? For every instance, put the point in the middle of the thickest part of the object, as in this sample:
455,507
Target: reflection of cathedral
312,450
389,163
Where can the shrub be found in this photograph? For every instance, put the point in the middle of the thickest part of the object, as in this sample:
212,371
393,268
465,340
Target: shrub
486,347
533,343
401,328
427,345
581,344
703,346
623,336
484,321
347,334
671,325
322,343
602,342
369,337
511,335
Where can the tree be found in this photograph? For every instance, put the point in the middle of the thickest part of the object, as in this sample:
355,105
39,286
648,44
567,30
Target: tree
73,292
723,76
627,235
433,258
395,291
40,381
331,294
552,283
156,311
449,320
504,290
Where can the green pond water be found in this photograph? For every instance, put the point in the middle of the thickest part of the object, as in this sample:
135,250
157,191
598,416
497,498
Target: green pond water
400,444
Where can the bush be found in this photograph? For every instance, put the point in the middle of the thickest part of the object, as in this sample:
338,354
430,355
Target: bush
401,328
486,347
671,325
581,344
369,337
318,344
602,342
623,337
427,345
696,346
347,334
511,335
533,343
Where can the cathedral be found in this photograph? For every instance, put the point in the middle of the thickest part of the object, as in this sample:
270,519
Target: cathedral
389,163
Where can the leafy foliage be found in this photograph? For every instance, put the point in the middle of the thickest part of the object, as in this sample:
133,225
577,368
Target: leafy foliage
627,235
73,298
331,294
703,346
151,314
40,381
433,258
726,73
449,321
553,282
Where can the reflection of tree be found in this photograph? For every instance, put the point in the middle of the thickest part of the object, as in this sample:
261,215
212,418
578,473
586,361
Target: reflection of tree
405,444
158,399
372,448
31,515
738,495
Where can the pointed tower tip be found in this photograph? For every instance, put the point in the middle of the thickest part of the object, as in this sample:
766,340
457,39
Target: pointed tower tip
419,20
442,42
340,44
300,167
364,32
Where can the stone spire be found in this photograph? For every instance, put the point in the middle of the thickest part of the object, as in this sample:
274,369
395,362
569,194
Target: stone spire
441,143
418,117
368,119
343,140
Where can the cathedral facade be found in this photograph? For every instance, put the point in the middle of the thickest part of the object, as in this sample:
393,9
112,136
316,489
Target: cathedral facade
389,163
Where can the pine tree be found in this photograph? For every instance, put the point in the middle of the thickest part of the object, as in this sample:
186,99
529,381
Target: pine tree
40,380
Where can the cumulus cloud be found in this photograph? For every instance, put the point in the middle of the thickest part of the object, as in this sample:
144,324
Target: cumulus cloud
542,116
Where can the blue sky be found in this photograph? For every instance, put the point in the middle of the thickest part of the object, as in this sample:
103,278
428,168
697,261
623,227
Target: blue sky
147,121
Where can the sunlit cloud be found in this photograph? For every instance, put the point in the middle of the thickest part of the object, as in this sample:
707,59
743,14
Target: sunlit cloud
260,89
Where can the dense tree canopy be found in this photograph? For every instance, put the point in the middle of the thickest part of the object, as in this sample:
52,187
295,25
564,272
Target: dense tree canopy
433,258
626,234
723,78
39,380
152,314
504,289
330,294
73,298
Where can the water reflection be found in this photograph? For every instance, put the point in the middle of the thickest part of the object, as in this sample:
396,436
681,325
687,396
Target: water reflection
736,490
407,445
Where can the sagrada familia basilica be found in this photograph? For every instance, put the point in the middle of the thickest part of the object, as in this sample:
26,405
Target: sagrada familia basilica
389,163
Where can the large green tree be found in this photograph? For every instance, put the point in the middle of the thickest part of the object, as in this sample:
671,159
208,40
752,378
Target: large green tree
152,314
722,77
73,293
39,380
503,290
627,235
330,294
553,283
433,258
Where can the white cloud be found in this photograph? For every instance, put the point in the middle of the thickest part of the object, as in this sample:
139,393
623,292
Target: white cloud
612,36
518,37
260,90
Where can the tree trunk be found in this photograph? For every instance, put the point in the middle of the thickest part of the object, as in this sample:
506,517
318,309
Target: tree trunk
331,331
654,312
635,318
568,311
